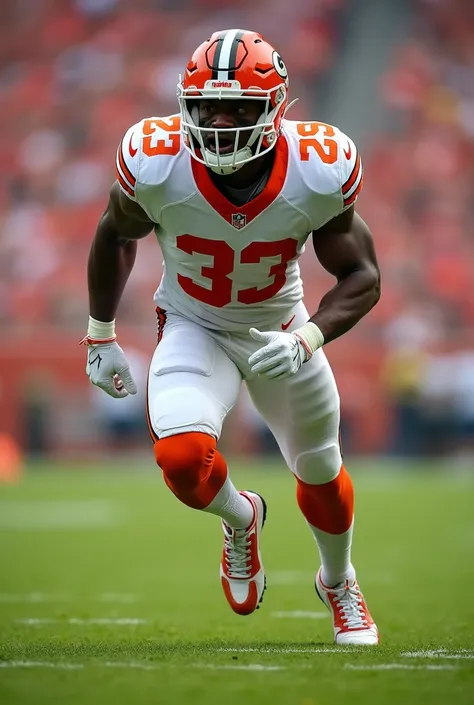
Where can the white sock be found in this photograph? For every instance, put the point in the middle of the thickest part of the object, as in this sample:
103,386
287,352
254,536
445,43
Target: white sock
234,508
335,552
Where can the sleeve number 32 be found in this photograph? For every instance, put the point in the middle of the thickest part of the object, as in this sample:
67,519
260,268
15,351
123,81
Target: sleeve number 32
220,292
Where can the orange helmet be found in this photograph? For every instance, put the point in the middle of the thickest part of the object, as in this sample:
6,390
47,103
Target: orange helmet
233,64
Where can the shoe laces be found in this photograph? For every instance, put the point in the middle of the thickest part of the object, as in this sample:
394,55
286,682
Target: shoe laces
350,604
237,552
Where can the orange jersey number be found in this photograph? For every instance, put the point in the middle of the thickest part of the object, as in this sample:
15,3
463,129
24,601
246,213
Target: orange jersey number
169,146
327,151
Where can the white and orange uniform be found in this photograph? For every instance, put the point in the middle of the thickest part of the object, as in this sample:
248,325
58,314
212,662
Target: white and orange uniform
228,268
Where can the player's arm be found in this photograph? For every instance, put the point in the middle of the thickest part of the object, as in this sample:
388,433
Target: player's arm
111,260
345,248
113,252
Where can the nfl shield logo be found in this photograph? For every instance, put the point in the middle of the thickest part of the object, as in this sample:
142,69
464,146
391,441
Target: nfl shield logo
239,221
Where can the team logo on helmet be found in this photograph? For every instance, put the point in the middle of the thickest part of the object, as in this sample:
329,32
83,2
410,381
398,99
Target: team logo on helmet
279,65
239,220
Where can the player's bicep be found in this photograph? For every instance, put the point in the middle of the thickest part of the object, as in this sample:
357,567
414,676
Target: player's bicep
124,218
345,244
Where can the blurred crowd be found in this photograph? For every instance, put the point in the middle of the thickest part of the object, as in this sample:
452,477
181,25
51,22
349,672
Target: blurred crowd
420,175
74,74
418,200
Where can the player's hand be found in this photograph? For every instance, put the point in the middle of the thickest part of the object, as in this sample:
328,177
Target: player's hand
280,356
108,368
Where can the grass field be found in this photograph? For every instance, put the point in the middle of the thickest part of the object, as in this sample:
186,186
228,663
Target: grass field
109,594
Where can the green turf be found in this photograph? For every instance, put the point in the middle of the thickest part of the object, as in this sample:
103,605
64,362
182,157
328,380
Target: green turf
78,536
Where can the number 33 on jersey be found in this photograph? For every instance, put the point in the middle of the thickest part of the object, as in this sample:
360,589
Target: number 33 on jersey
230,266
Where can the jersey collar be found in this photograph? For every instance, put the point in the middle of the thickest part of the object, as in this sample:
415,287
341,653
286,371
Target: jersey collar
257,205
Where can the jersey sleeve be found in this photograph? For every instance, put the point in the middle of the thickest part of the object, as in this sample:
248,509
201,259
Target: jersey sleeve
127,161
350,170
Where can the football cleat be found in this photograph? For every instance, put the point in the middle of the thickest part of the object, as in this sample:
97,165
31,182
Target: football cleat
241,569
353,624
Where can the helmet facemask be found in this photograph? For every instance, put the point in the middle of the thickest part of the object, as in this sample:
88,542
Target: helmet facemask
262,135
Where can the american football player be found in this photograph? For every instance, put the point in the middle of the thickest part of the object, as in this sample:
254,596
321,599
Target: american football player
232,191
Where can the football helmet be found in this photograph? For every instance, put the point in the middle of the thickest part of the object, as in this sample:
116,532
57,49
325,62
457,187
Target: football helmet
233,64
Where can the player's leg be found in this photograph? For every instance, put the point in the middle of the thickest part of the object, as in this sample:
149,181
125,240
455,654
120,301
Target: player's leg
303,414
192,386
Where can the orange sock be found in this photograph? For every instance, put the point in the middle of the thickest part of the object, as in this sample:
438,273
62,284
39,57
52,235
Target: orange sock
329,511
329,507
192,467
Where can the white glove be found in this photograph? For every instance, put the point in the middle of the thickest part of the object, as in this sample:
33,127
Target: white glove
108,368
281,355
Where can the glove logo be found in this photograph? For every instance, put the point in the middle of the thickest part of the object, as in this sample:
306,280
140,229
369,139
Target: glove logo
97,359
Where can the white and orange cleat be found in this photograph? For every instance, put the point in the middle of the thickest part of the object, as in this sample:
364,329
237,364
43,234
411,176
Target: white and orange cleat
353,624
241,570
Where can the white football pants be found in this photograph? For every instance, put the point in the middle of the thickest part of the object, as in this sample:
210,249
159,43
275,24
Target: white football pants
194,381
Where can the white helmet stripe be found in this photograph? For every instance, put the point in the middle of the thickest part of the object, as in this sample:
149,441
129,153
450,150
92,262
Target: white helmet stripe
224,57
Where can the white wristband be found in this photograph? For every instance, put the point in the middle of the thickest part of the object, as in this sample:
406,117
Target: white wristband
310,337
98,330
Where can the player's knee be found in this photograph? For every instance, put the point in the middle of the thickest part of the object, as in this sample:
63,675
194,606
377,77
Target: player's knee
319,465
185,459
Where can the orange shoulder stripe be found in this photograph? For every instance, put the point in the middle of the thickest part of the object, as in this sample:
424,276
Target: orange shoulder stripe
352,197
353,177
123,183
126,171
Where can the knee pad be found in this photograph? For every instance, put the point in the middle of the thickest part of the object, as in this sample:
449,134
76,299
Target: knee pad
185,458
319,465
192,467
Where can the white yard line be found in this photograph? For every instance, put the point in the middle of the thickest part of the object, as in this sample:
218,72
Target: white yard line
256,667
35,515
298,614
243,667
33,597
120,621
41,664
398,667
440,653
38,597
143,666
316,650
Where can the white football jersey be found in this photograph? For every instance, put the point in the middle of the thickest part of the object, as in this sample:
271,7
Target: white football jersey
232,267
